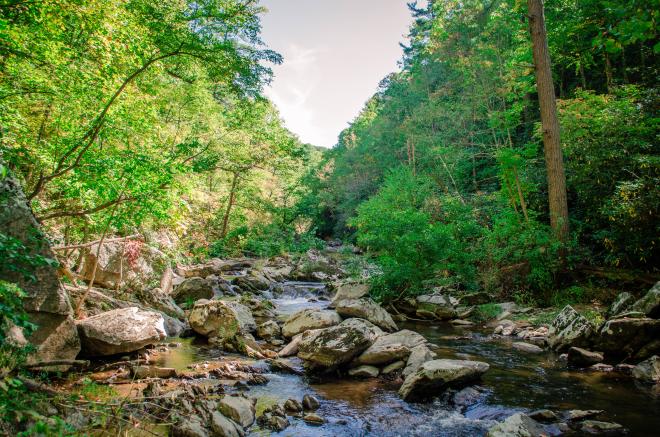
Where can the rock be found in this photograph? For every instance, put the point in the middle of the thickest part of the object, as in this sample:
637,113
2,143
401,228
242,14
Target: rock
578,357
269,330
578,415
622,303
437,375
310,403
133,263
337,345
189,427
238,408
285,366
158,300
437,306
626,336
568,329
349,291
601,367
418,356
648,371
625,369
214,267
313,419
364,372
253,282
223,320
527,347
545,416
597,427
173,327
315,266
193,289
143,372
391,347
120,331
262,308
46,302
391,368
293,406
650,303
518,425
273,422
224,427
367,309
461,322
466,397
309,319
291,348
477,298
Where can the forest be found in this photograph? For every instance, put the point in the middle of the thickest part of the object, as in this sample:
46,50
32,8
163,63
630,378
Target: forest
175,261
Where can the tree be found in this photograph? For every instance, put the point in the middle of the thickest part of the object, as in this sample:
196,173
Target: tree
550,123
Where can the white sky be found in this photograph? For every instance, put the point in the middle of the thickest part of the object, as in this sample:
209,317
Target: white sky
335,54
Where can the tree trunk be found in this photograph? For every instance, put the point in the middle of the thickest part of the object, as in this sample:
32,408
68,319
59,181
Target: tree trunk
551,140
230,203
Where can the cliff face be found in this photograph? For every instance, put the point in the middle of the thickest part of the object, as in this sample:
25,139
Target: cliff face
47,302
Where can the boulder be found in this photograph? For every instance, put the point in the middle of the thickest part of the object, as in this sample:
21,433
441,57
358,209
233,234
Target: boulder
224,427
315,266
331,347
568,329
239,409
190,427
391,368
367,309
309,319
349,290
120,331
132,264
650,303
476,298
418,356
578,357
214,267
260,308
269,330
158,300
627,337
221,320
364,372
193,289
622,303
437,306
433,377
527,347
596,427
143,372
46,302
310,403
518,425
255,281
391,347
293,406
648,371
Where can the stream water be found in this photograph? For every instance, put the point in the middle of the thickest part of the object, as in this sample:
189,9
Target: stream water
516,382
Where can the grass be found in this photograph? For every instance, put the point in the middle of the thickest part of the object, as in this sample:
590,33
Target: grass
485,312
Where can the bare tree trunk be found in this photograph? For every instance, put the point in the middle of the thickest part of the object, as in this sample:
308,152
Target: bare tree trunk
551,141
230,204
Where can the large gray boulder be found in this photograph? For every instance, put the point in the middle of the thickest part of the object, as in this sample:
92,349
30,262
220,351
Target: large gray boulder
120,331
648,371
350,290
194,289
518,425
47,303
568,329
434,377
331,347
418,356
437,306
239,409
391,347
221,320
627,336
650,303
309,319
367,309
622,303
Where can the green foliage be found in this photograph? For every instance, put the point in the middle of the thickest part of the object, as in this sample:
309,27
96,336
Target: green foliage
264,241
485,312
12,315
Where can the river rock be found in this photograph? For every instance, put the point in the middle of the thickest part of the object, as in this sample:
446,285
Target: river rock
578,415
596,427
367,309
190,427
364,372
253,282
544,415
578,357
313,419
648,371
143,372
238,408
309,319
337,345
569,328
293,406
476,298
269,330
518,425
622,303
391,368
291,348
436,306
120,331
158,300
527,347
418,356
348,291
259,307
627,337
224,427
310,403
436,376
193,289
222,320
650,303
214,267
391,347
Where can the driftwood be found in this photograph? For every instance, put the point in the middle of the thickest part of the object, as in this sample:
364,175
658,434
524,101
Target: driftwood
91,243
35,386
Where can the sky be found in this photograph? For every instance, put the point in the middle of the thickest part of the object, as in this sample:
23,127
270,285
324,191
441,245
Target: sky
335,54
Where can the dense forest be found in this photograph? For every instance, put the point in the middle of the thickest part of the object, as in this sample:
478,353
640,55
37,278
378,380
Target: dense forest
169,249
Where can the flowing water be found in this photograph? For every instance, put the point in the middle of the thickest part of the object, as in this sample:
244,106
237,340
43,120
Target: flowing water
516,382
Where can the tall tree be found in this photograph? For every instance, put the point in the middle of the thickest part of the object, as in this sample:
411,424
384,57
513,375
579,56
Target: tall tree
550,123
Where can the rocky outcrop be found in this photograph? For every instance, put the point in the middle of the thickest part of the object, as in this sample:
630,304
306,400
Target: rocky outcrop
332,347
309,319
622,303
391,347
47,304
221,320
315,266
568,329
433,377
238,408
436,306
648,371
650,303
120,331
628,337
350,290
518,425
269,330
193,289
367,309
